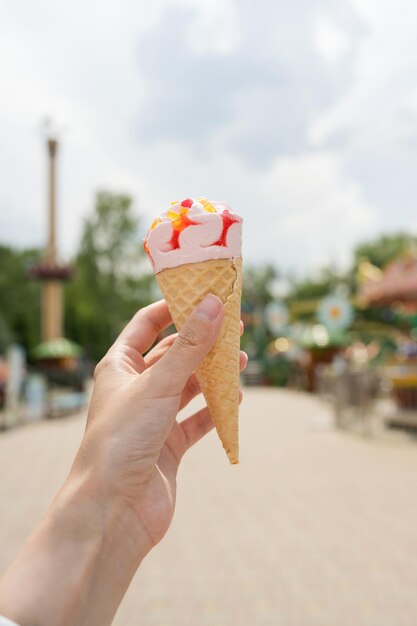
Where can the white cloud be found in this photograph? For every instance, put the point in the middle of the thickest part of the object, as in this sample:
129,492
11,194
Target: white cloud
302,212
215,29
84,74
278,80
374,114
323,213
331,41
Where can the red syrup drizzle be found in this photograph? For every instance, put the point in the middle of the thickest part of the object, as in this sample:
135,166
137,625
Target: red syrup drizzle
180,223
228,220
178,226
183,222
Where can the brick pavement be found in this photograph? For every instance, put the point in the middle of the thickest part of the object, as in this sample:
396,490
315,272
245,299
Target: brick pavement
313,528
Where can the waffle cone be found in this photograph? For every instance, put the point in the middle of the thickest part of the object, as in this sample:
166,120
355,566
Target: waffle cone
218,375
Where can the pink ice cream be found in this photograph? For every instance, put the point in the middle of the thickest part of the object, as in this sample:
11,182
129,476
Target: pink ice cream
192,231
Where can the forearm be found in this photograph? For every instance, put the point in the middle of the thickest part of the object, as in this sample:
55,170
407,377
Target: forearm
75,568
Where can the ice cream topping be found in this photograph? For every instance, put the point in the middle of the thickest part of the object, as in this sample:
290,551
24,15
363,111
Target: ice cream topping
192,231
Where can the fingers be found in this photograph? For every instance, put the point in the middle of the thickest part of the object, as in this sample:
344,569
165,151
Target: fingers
243,361
198,425
192,388
159,350
145,326
190,347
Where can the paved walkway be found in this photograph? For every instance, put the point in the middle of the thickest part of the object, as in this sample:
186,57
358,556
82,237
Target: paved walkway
313,528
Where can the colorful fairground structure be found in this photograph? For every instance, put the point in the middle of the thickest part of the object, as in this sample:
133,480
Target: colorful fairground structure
291,349
50,271
394,289
53,384
357,346
57,358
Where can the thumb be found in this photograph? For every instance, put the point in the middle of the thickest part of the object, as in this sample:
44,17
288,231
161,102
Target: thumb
191,346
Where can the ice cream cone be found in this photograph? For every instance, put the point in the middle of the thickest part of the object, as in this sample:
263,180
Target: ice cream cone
184,287
196,248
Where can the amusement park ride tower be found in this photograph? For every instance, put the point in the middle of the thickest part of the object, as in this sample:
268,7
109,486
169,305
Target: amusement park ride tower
50,271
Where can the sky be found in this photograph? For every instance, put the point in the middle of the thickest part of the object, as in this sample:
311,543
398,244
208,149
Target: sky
301,115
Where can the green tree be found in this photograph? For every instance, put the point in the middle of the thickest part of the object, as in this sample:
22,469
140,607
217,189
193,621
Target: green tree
304,295
19,298
380,322
384,249
112,278
319,286
258,285
256,294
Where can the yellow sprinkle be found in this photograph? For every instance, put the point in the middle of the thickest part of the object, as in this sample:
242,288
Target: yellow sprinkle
207,206
172,215
155,223
174,202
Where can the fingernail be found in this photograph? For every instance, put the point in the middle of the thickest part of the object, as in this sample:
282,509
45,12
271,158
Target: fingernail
209,308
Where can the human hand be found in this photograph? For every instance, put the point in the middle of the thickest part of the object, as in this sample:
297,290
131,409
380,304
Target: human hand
133,444
119,497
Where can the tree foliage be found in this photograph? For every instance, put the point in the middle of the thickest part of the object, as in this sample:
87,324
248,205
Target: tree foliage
258,286
256,294
316,287
112,278
384,249
19,298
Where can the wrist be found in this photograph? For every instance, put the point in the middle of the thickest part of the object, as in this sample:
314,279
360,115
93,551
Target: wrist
79,562
107,521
